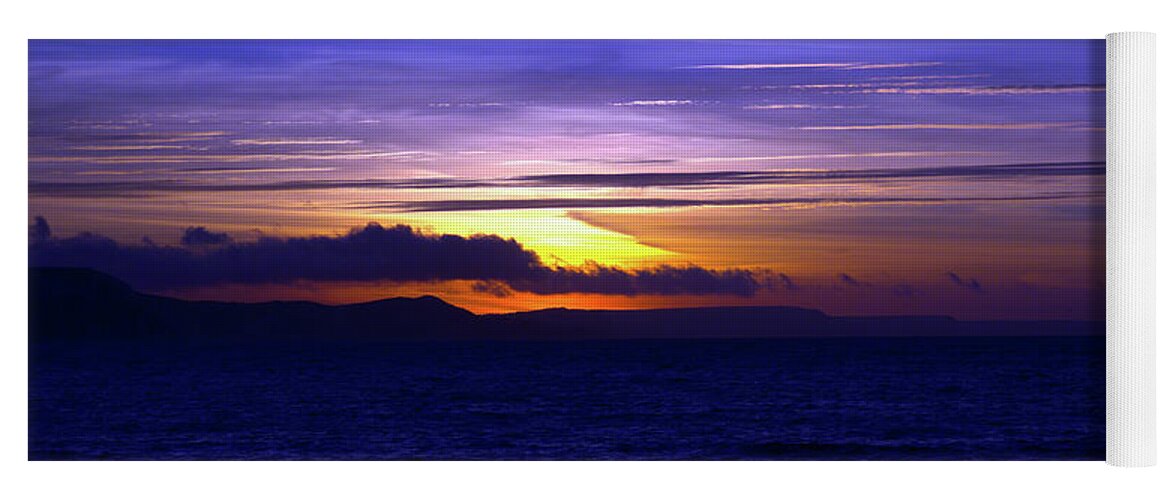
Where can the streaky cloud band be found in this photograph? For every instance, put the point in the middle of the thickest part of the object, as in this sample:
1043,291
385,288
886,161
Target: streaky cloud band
586,203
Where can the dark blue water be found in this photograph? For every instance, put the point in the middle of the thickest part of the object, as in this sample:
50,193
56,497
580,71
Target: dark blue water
820,399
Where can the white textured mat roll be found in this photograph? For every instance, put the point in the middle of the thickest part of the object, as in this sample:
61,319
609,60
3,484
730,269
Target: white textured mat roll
1130,244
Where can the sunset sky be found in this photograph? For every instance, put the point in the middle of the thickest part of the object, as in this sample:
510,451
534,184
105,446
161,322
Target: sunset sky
951,177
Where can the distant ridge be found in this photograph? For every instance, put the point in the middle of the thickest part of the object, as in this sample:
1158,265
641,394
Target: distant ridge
72,303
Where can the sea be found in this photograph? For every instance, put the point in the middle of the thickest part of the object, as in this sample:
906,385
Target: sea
926,398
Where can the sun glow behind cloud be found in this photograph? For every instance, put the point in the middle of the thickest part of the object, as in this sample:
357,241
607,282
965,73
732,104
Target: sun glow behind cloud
556,237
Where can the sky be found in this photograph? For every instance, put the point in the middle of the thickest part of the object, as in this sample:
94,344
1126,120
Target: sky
947,177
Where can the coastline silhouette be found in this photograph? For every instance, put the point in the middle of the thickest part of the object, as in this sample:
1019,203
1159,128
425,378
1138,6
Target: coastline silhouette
80,303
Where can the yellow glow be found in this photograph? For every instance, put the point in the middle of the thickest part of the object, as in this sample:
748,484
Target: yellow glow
557,238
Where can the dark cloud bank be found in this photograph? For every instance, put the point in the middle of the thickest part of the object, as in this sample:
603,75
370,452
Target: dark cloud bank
196,236
373,253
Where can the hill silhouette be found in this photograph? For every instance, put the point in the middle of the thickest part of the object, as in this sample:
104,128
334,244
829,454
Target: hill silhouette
72,303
